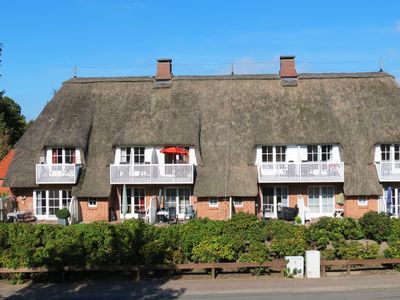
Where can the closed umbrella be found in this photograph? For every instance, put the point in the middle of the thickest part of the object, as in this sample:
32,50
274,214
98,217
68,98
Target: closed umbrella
389,199
160,202
74,210
124,208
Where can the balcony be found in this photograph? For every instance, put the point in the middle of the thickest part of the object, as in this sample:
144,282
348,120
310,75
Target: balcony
388,171
301,172
152,174
57,173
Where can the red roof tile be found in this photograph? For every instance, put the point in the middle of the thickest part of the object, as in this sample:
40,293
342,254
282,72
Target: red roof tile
5,164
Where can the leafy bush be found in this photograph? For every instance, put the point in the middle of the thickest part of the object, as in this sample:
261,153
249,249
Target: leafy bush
63,213
376,226
393,251
258,252
214,249
355,250
395,230
279,229
328,230
295,245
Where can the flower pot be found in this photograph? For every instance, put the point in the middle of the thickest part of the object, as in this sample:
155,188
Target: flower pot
63,222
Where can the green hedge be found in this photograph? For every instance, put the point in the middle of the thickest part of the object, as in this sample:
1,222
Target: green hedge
243,238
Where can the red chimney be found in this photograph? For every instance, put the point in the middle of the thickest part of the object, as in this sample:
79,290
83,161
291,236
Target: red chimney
164,69
288,67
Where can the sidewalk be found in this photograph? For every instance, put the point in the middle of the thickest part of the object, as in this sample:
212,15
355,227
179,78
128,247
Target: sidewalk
165,288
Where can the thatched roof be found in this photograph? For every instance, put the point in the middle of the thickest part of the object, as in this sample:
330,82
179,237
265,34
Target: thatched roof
223,117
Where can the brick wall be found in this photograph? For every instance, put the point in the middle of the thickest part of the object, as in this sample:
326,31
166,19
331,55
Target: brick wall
92,214
222,212
352,209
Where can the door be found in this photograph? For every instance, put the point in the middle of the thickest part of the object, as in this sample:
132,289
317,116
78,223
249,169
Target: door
136,203
178,198
274,198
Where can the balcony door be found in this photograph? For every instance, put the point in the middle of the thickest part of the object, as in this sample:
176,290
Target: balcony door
394,206
178,198
274,198
136,203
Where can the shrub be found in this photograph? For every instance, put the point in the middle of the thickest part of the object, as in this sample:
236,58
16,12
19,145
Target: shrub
327,230
63,213
295,245
376,226
213,250
393,251
279,229
395,230
355,250
258,252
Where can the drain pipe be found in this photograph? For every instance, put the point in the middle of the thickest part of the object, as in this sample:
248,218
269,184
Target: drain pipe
230,207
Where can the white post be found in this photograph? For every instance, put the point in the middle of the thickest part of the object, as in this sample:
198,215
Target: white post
313,264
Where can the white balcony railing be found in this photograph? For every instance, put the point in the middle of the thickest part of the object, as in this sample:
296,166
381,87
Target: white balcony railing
151,174
57,173
388,170
301,172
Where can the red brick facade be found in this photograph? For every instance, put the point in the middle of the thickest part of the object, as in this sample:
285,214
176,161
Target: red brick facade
98,213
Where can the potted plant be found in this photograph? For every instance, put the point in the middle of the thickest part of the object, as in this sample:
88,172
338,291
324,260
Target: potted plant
63,215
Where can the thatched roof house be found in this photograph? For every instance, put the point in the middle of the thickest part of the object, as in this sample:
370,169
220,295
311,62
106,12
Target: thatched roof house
223,118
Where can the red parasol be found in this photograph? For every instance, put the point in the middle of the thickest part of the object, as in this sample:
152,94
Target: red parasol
174,150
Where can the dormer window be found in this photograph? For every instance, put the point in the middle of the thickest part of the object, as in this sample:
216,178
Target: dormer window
132,154
273,153
390,152
63,155
317,153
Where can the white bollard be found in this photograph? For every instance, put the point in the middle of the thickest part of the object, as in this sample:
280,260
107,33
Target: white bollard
313,264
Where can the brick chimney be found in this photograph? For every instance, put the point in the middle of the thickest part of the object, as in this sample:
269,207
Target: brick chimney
164,69
288,67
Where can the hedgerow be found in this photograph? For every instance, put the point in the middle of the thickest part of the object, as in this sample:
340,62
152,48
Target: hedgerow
243,238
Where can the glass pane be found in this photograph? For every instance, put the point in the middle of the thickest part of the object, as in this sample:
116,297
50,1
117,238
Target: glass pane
184,199
54,202
139,200
170,197
313,199
40,203
268,200
385,152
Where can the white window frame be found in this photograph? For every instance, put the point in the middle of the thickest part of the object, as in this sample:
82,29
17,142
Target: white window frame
177,202
134,151
275,153
213,202
362,201
274,214
320,212
92,202
63,155
133,214
320,153
47,216
237,201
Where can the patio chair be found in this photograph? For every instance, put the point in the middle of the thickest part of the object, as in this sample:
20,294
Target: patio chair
172,217
189,212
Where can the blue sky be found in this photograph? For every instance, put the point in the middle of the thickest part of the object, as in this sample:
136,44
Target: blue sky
44,40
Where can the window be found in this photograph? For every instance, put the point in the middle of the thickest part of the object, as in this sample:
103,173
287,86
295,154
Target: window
63,155
280,153
267,153
69,155
273,153
125,155
385,152
213,202
136,200
321,199
237,202
178,197
397,152
362,201
317,153
326,152
48,202
56,156
138,155
92,202
273,199
312,153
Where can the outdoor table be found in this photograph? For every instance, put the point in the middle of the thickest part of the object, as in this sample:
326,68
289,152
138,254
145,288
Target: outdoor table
162,215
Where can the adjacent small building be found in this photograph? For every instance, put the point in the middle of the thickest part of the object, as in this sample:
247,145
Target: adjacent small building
328,143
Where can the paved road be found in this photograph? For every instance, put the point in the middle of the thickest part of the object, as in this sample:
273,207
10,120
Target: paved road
362,287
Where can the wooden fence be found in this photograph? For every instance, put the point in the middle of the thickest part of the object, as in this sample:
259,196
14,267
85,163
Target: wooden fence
276,265
350,263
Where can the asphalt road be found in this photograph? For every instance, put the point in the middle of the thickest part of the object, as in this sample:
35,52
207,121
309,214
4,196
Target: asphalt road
378,286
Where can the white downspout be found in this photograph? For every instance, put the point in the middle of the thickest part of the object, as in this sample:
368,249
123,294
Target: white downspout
230,207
